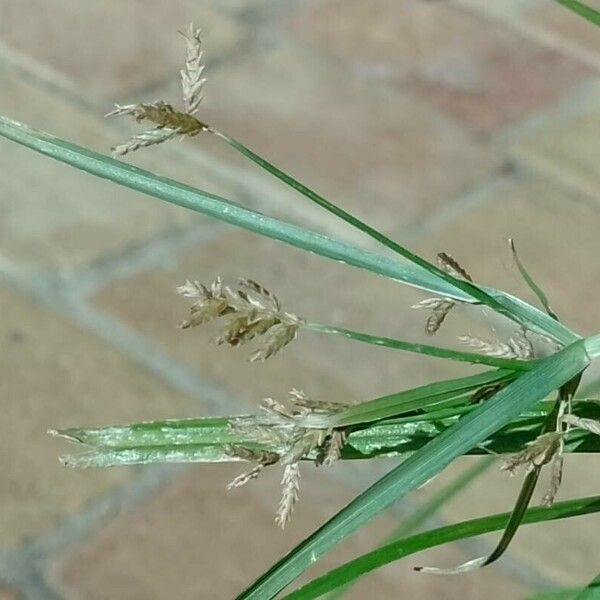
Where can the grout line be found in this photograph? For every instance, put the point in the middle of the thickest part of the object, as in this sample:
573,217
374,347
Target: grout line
28,568
473,199
520,23
161,251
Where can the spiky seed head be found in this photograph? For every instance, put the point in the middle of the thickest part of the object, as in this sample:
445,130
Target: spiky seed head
540,452
290,489
555,480
452,266
192,81
248,312
437,316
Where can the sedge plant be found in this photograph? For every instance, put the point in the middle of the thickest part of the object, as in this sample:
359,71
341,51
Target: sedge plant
523,408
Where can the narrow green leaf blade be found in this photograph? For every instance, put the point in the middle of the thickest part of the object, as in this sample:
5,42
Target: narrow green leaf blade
535,288
464,285
401,402
230,212
592,591
424,512
436,537
469,431
418,348
587,12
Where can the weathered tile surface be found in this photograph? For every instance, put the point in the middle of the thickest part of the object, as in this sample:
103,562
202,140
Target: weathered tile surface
53,376
373,150
566,148
474,69
568,30
113,46
8,594
53,215
201,541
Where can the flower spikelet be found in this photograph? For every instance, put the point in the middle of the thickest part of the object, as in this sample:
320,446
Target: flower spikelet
286,424
250,311
440,307
517,347
192,81
169,121
539,453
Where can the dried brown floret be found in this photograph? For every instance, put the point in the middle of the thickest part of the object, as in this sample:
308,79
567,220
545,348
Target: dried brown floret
540,452
452,266
249,312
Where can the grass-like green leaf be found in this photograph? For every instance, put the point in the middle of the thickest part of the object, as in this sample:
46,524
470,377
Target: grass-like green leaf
583,10
472,429
385,342
464,285
535,288
591,592
428,395
423,512
409,272
205,440
436,537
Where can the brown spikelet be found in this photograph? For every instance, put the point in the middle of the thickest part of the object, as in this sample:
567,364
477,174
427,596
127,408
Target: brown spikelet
555,480
290,487
497,348
452,266
437,316
169,122
538,453
248,312
264,459
331,451
192,81
295,431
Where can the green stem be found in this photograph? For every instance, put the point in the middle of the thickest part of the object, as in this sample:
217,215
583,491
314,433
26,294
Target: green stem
593,16
230,212
466,286
429,539
470,357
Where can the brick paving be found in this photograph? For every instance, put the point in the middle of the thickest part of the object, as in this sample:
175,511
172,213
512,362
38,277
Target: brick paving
451,125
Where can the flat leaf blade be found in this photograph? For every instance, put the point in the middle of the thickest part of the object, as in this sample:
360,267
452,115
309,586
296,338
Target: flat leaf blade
429,539
230,212
472,429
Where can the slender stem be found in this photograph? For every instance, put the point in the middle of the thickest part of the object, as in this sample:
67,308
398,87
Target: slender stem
587,12
466,286
470,357
225,210
396,550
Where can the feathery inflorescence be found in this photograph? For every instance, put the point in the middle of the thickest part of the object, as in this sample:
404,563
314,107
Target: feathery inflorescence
248,312
441,307
169,121
287,425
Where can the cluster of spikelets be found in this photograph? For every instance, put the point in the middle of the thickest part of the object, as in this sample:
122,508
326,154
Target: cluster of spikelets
169,121
248,312
290,427
251,311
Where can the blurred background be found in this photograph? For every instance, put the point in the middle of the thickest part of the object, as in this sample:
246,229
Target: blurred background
451,125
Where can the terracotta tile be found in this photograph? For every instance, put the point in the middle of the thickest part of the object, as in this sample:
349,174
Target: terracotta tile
54,376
